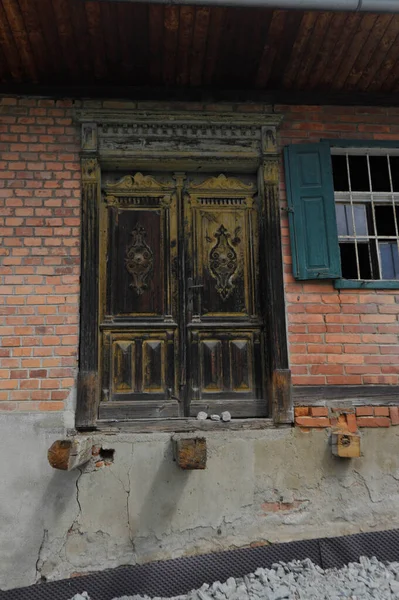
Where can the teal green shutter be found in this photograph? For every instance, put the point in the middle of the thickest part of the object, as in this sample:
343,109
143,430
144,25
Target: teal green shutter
311,210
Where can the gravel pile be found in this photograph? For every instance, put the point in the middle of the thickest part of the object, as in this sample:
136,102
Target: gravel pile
301,580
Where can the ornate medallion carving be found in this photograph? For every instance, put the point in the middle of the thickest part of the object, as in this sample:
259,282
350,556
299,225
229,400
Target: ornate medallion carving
139,260
223,263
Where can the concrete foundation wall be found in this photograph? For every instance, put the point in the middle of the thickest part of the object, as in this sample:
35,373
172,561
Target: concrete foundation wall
259,487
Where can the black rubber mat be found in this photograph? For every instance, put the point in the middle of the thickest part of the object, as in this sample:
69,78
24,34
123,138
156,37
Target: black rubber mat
178,576
339,551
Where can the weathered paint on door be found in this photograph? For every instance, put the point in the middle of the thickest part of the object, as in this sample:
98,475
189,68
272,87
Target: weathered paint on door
182,329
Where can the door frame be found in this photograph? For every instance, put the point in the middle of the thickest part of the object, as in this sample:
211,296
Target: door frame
174,141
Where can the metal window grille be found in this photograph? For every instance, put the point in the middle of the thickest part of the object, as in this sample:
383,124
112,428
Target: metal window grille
366,190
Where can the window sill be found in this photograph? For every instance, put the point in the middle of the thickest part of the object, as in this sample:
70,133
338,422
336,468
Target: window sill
183,425
362,284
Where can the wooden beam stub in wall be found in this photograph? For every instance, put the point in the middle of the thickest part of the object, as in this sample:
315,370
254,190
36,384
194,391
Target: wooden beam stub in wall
66,455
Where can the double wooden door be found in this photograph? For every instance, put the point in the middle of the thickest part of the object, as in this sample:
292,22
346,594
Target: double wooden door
181,318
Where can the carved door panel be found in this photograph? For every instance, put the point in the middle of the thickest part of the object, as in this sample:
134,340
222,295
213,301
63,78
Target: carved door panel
181,327
140,299
224,324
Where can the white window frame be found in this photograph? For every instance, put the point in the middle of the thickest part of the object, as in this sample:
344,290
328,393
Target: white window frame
368,198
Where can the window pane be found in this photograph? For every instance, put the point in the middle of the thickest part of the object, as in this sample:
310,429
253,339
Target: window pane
370,221
340,173
359,174
373,248
359,211
348,260
342,220
345,219
363,251
389,260
394,160
379,174
384,220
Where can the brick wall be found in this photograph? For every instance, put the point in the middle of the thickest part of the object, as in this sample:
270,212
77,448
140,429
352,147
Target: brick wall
351,419
39,250
339,337
336,337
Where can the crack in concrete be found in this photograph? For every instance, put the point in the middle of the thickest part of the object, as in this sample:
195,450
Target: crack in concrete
72,528
127,492
363,479
38,574
127,512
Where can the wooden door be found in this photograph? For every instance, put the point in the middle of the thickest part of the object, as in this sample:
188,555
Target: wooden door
181,326
140,317
224,322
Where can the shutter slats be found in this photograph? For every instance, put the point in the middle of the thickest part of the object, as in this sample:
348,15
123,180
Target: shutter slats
313,227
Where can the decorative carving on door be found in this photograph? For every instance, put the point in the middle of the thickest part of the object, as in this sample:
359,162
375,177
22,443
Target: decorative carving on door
223,263
139,260
223,183
131,183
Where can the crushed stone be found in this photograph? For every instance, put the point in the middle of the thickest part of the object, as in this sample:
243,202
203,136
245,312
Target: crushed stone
300,580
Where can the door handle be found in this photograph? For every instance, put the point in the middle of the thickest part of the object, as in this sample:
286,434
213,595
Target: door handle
191,289
192,286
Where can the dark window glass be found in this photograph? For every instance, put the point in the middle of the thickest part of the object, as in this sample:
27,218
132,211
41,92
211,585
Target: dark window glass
389,260
379,174
348,260
370,221
394,160
340,173
349,264
359,174
384,220
363,252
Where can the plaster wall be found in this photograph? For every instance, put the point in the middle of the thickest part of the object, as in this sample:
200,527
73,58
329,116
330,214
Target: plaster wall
259,487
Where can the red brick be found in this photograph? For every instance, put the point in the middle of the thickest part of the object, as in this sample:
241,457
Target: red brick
326,369
364,411
302,411
373,422
394,415
312,421
381,411
319,411
344,380
51,406
351,423
308,380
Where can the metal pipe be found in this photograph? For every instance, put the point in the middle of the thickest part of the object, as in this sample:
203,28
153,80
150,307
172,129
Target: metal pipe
378,6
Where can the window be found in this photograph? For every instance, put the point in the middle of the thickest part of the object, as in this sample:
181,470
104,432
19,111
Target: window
344,213
366,191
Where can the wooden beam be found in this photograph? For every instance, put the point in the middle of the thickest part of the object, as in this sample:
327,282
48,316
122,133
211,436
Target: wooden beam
154,94
88,385
66,455
183,425
283,410
358,395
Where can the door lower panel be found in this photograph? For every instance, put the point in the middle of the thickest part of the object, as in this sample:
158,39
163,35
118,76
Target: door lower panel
140,373
226,371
